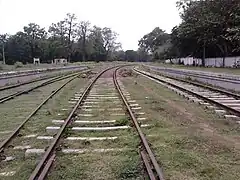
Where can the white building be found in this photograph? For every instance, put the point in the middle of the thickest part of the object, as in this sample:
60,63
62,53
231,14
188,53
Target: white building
59,61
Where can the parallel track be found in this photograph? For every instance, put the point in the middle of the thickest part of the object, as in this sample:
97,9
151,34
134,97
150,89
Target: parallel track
197,74
27,82
31,72
153,170
52,80
15,132
221,98
222,81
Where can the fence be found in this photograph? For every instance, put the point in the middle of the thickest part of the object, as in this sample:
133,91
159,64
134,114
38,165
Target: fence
211,62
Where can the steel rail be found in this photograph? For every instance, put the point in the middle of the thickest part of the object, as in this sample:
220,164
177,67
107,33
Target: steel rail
202,85
10,137
34,72
140,133
23,83
30,81
13,95
204,76
15,76
40,171
229,109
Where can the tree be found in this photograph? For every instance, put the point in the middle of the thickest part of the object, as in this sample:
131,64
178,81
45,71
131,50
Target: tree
64,39
83,33
104,42
70,25
34,34
3,40
208,25
131,55
57,40
110,43
118,55
153,40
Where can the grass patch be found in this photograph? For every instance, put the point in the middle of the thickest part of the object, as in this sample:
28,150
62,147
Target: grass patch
115,165
189,141
122,122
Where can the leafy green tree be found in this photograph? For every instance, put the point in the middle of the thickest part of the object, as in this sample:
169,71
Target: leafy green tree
209,25
64,39
153,40
70,25
34,34
3,40
131,55
83,35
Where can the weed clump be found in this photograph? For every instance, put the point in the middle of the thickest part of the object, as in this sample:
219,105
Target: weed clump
18,64
122,122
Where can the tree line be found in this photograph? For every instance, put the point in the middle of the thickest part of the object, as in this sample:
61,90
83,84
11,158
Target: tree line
68,38
209,28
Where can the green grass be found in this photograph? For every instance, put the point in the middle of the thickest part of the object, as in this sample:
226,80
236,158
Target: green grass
189,141
37,124
117,165
122,122
109,165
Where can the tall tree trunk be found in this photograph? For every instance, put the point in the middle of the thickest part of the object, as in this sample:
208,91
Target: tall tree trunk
224,58
83,57
224,50
225,54
204,54
84,49
3,54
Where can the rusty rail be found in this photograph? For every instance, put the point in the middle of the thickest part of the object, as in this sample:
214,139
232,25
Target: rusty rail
201,85
147,150
228,108
13,95
43,166
2,88
46,162
6,141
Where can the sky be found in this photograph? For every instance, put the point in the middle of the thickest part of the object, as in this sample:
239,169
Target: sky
131,19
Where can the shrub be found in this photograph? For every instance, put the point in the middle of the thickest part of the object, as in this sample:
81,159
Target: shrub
18,64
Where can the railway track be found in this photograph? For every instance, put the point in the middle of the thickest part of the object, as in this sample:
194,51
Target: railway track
14,142
222,81
15,74
97,126
20,89
223,102
41,78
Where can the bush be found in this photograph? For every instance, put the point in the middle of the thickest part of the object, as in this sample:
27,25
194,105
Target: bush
18,64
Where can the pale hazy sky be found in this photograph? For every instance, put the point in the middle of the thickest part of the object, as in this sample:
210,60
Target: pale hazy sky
131,19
